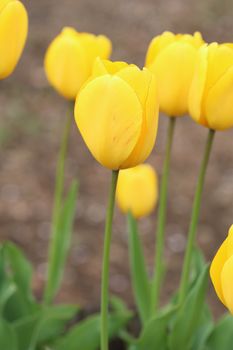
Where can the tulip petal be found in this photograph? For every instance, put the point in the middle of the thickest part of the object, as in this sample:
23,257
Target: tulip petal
174,83
195,100
216,270
230,242
13,33
109,117
219,107
102,67
227,286
144,85
157,44
66,52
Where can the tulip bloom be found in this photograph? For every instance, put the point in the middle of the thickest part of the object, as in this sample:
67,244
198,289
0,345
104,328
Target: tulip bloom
221,271
117,114
211,93
172,58
137,190
70,57
13,34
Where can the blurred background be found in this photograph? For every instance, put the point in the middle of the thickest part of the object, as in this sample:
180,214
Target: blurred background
32,119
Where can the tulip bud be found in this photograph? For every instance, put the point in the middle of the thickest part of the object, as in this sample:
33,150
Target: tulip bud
70,57
117,114
13,34
137,190
172,59
211,92
221,271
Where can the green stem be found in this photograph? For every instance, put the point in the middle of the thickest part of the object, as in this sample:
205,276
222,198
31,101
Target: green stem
194,218
59,188
160,236
105,265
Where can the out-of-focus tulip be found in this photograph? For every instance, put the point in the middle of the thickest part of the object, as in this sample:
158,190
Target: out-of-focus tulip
13,34
137,190
117,114
221,271
172,58
211,92
70,57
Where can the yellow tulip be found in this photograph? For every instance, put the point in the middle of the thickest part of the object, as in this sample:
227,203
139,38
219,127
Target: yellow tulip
221,271
172,59
70,57
117,114
13,34
137,190
211,92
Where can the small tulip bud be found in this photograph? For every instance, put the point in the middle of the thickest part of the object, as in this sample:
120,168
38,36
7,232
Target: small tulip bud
137,190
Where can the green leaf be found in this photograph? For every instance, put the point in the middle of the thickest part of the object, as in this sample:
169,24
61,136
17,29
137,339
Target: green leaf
188,316
8,340
86,335
140,280
155,333
18,275
61,243
204,330
21,269
221,337
43,326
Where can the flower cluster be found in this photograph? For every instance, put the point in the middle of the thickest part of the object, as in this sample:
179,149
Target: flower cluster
116,108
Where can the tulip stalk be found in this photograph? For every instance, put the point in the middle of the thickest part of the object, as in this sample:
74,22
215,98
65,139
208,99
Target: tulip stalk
105,264
160,237
58,196
195,218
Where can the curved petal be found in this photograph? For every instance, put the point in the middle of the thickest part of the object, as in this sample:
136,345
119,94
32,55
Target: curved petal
104,46
65,65
174,68
227,285
13,34
157,44
101,67
144,84
216,270
196,92
219,107
109,117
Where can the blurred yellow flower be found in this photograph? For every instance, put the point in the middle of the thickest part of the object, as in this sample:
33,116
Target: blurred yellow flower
13,34
117,114
137,190
70,57
172,59
211,92
221,271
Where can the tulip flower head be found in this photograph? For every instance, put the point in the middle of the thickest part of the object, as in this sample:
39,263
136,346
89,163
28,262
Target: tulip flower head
116,112
137,190
172,59
13,34
70,57
211,92
221,271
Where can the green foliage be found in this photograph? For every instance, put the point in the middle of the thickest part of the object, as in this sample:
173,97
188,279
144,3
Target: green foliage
140,280
86,335
61,244
24,323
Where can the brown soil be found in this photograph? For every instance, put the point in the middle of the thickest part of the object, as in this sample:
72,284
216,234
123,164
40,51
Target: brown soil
32,118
